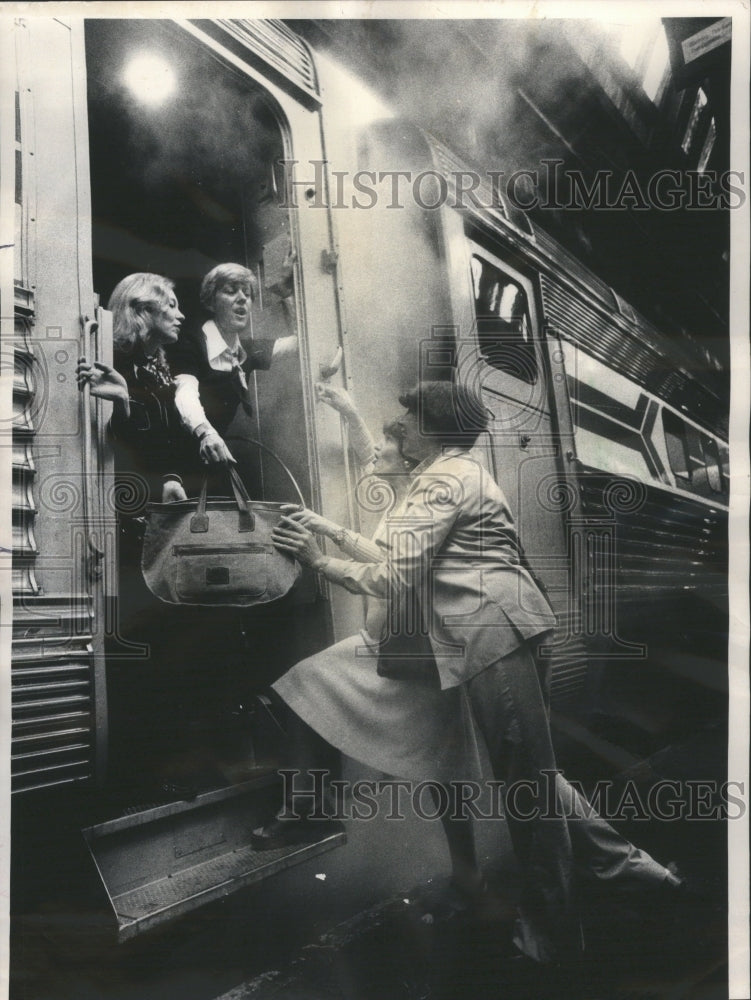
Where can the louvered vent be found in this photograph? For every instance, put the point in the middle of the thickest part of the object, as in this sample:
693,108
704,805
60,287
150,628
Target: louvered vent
278,47
52,667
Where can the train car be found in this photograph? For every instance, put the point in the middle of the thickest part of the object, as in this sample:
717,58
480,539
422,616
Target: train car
172,146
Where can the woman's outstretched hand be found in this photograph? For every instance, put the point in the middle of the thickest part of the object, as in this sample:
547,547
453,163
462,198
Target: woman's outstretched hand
338,399
296,540
103,380
173,491
310,520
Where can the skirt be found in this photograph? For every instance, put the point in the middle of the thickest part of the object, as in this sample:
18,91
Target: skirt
409,728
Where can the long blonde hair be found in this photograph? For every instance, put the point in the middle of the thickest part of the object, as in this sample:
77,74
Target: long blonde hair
131,302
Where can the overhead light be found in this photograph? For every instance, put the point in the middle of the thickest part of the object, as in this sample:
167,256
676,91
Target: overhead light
149,78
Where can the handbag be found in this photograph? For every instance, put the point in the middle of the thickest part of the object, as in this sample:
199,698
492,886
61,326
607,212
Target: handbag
217,551
403,657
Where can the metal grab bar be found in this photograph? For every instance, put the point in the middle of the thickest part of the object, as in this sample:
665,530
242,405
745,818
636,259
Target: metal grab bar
95,554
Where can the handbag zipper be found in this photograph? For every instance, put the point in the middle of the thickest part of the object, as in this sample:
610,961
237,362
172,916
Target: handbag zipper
205,550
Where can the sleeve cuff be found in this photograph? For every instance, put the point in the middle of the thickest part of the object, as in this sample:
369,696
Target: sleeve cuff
203,430
334,569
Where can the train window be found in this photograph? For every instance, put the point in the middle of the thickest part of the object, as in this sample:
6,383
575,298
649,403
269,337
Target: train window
698,111
696,459
615,427
504,331
712,464
607,445
706,150
608,411
675,439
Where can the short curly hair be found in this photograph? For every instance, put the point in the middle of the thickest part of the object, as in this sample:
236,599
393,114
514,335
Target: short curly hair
223,274
450,412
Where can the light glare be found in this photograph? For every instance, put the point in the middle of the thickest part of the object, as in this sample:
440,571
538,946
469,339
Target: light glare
149,78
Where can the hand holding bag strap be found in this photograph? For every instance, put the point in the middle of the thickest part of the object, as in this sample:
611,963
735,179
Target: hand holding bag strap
199,523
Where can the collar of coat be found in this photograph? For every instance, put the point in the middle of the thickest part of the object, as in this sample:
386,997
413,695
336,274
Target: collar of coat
216,345
428,462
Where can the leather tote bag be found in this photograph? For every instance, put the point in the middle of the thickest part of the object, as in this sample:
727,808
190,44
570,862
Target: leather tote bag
404,656
216,551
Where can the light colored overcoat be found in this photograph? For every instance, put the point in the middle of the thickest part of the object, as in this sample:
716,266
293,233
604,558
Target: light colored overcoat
453,543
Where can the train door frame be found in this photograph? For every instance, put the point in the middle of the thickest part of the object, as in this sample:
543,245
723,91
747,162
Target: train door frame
318,275
311,236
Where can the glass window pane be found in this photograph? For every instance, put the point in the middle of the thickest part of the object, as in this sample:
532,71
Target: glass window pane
675,439
725,466
712,464
503,324
618,457
707,148
693,123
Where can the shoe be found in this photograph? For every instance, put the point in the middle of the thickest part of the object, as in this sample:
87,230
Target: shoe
280,833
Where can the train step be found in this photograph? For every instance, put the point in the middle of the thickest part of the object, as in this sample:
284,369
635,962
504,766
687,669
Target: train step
163,862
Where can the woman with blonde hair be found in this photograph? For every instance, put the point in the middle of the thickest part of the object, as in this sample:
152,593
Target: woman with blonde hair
150,448
146,318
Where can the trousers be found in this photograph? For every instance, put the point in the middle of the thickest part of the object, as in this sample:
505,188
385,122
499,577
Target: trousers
555,832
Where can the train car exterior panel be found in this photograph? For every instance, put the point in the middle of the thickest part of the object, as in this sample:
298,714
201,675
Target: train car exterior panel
59,728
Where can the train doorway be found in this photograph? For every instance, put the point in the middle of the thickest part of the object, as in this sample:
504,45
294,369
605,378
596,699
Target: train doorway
184,153
513,374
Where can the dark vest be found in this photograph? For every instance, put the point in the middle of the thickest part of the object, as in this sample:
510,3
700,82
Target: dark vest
221,392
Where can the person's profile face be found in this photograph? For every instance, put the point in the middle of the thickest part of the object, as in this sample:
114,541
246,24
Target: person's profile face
389,458
166,320
232,306
413,443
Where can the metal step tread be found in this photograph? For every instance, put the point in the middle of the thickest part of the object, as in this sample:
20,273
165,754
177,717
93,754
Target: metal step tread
165,861
178,893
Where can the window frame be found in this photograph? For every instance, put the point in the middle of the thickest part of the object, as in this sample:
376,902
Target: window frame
517,386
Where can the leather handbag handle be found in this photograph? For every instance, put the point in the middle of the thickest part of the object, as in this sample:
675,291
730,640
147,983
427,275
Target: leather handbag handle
279,461
199,523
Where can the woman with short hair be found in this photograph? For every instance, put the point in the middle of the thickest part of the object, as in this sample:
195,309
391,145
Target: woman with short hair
455,549
407,727
212,363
